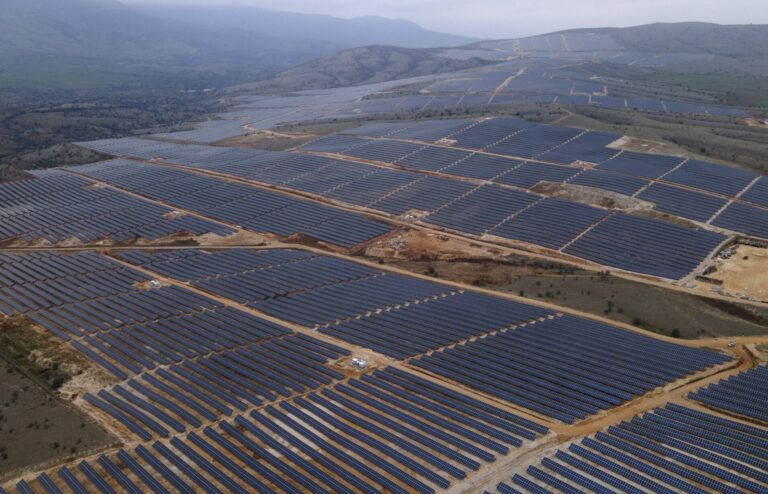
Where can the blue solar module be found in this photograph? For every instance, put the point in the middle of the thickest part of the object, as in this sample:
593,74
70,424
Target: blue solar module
685,203
384,150
488,132
506,99
589,147
615,182
433,158
56,208
644,104
540,98
482,209
482,166
534,141
645,165
71,481
292,219
285,278
757,193
426,194
727,112
347,299
417,328
576,99
432,130
373,186
347,230
553,368
291,168
530,173
474,99
329,177
550,222
609,102
743,218
646,246
95,478
141,472
712,177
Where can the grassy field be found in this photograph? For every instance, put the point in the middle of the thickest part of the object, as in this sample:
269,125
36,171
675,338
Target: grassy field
35,426
657,309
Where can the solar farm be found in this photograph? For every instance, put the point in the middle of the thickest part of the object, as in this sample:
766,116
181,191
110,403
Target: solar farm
236,333
483,179
237,369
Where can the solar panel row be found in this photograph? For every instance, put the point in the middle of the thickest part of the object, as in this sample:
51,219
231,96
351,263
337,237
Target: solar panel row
390,430
672,449
645,245
744,394
58,206
555,368
396,191
252,208
417,328
216,384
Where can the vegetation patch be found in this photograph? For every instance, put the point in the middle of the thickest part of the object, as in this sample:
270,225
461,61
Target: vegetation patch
36,427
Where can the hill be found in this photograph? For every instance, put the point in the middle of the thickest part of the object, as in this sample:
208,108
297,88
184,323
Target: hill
70,44
737,49
332,31
694,37
365,65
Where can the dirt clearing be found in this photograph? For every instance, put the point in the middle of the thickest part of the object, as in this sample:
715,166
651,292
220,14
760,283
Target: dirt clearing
745,273
269,140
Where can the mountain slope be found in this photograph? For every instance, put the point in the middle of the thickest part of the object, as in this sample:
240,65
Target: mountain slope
694,37
365,65
737,50
55,44
342,33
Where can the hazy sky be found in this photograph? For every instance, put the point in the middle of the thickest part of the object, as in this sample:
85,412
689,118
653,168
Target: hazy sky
512,18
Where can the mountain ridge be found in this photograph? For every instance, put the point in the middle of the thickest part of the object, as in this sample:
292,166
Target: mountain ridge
53,43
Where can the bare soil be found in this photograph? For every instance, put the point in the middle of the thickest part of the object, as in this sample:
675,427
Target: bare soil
744,273
269,140
422,245
590,195
644,146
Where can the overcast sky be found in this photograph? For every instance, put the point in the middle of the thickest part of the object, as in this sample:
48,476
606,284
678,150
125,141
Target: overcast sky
513,18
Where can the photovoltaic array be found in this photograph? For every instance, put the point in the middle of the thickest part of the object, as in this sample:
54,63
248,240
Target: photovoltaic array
743,395
57,206
671,449
555,367
455,200
242,205
386,431
229,369
216,394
